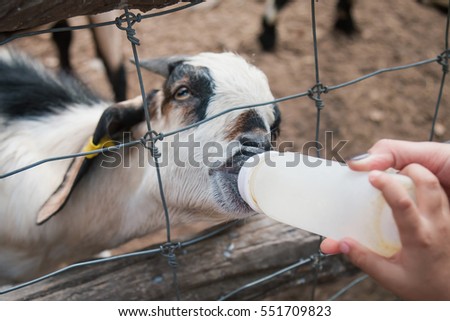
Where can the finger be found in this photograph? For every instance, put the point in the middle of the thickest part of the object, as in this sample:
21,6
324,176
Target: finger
371,161
404,209
429,192
329,246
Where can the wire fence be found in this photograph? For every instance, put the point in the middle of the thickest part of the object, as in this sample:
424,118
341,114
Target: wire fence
169,249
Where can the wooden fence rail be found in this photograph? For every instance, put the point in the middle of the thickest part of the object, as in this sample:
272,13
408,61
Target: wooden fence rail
207,270
16,15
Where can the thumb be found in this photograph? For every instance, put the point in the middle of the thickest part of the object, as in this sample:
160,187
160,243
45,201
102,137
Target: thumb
385,271
373,264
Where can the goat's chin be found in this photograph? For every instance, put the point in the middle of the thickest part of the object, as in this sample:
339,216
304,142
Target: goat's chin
226,194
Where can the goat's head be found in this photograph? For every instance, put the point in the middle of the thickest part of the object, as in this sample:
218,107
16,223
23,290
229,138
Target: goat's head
200,164
211,153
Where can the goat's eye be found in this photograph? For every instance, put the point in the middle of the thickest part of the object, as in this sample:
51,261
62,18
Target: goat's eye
182,93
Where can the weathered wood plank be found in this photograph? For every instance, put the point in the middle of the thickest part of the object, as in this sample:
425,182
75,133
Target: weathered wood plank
24,14
206,270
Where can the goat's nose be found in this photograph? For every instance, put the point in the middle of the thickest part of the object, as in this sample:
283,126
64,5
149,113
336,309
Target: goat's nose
254,140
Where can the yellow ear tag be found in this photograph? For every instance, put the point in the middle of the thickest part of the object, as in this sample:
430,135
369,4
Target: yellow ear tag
103,143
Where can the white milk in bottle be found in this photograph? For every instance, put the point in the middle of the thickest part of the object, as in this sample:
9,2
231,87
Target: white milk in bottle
321,196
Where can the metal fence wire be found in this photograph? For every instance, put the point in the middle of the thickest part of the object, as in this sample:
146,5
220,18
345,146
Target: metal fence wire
169,249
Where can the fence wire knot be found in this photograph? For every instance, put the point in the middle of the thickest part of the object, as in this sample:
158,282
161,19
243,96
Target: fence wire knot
130,19
317,263
149,142
168,250
442,59
315,92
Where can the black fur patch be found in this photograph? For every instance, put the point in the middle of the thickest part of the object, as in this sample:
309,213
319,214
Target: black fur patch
116,119
275,127
251,121
200,83
27,90
248,121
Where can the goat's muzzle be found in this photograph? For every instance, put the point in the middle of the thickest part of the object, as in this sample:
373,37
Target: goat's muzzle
224,177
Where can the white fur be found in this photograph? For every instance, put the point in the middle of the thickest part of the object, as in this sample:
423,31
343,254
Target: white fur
270,12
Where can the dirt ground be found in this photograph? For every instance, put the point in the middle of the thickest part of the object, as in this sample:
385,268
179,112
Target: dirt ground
396,105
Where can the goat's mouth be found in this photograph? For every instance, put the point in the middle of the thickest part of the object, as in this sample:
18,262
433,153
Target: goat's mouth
225,186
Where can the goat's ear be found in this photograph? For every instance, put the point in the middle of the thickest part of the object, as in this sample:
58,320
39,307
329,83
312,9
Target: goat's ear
162,66
114,120
60,196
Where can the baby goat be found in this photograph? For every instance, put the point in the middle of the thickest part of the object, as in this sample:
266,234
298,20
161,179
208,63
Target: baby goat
107,200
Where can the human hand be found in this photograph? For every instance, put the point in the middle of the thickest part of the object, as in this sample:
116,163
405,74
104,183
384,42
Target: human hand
397,154
421,269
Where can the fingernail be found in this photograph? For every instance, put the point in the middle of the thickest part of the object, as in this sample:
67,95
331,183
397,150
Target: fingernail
344,247
359,157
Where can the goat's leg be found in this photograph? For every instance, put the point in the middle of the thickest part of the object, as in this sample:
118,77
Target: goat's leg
62,41
108,43
344,19
268,36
